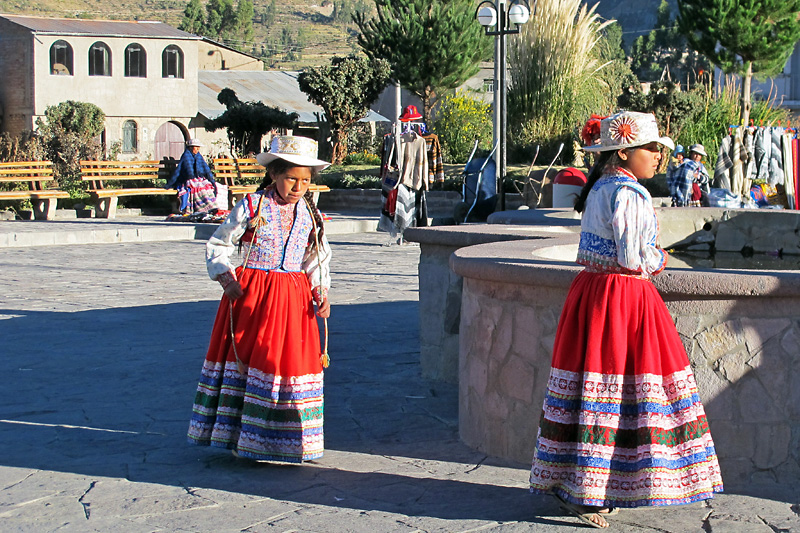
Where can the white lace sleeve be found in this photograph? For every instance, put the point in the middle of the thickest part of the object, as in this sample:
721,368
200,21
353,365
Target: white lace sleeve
221,245
636,232
318,269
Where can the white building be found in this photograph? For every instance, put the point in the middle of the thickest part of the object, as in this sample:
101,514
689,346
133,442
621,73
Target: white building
143,75
157,85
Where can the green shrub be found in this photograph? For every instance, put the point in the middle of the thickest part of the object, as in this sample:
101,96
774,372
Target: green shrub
361,158
335,179
70,133
460,119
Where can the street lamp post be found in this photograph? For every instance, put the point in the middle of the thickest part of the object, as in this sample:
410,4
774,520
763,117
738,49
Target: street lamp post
505,17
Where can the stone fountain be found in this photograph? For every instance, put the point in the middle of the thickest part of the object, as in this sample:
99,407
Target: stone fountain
491,296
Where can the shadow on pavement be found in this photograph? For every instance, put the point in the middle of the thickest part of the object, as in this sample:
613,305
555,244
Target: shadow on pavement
109,393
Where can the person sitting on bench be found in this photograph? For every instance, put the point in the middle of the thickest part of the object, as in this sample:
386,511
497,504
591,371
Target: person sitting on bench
194,181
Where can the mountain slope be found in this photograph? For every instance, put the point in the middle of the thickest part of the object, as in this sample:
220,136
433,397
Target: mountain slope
306,21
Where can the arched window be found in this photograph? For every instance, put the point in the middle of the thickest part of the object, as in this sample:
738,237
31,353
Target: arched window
129,137
172,62
135,61
99,59
61,58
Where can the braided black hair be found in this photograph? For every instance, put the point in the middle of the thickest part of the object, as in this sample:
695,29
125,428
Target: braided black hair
309,197
604,160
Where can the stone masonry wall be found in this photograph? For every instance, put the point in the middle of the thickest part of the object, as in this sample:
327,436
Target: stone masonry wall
438,323
506,343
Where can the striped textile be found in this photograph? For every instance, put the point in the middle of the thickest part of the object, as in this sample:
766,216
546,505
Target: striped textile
625,441
266,417
196,195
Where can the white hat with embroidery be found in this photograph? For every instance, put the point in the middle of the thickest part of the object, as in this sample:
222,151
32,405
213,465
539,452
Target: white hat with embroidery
194,142
300,151
628,129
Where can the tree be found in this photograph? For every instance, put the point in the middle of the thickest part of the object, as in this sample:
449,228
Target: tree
745,37
616,74
247,122
244,22
193,18
268,14
221,19
344,89
82,118
663,53
69,133
431,45
644,57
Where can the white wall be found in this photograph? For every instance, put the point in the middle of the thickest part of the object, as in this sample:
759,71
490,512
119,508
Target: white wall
117,95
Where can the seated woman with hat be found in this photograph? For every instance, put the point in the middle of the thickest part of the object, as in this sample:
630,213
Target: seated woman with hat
197,189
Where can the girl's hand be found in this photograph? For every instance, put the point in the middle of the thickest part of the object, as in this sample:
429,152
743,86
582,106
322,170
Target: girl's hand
233,290
324,309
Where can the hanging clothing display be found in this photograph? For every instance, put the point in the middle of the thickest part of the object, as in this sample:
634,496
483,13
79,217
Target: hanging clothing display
413,161
435,159
764,155
405,176
390,178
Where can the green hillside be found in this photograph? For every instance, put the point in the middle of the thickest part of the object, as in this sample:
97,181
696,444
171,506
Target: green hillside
306,23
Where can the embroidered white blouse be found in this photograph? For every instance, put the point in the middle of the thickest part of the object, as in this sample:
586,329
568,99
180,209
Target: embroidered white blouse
619,228
281,243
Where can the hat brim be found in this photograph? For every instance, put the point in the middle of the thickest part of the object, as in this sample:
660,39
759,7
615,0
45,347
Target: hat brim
265,158
410,118
665,141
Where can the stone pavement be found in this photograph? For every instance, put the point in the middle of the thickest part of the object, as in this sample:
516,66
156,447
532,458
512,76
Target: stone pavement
102,346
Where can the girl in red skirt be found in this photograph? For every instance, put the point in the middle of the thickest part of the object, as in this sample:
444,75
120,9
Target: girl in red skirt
622,424
260,391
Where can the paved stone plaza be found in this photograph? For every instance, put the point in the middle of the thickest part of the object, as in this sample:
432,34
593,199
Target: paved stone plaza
102,346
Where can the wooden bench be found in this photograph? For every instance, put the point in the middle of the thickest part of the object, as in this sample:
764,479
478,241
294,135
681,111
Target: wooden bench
244,175
97,173
34,174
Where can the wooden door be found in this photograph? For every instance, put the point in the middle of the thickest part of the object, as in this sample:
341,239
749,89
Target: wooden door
170,141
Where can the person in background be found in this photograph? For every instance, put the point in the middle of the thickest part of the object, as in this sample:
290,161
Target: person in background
690,179
194,181
674,162
622,423
702,179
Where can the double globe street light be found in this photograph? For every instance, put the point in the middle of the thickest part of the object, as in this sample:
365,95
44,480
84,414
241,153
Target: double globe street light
501,18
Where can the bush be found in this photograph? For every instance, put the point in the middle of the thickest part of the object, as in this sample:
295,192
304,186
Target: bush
524,141
460,120
361,139
69,134
27,146
335,179
361,158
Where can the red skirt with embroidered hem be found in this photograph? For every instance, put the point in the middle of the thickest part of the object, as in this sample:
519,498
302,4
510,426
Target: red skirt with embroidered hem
622,423
275,410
